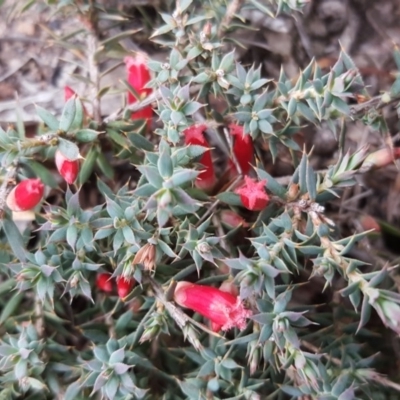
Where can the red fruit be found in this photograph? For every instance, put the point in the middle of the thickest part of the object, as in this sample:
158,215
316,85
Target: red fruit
68,93
124,286
380,158
242,149
232,219
68,169
195,135
224,309
253,195
104,282
138,77
26,195
368,223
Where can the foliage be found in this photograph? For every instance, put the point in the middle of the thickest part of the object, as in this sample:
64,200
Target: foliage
63,336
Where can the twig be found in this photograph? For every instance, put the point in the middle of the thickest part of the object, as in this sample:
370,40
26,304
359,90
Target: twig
156,95
93,67
5,188
176,314
371,103
232,153
94,76
232,9
182,320
39,318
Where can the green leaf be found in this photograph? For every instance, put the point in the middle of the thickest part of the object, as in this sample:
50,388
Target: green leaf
68,149
68,115
272,185
105,166
11,307
14,239
72,391
230,198
117,137
140,142
183,176
164,164
86,135
79,115
88,165
48,118
72,235
41,172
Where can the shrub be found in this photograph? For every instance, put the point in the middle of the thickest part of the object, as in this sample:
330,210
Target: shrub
168,266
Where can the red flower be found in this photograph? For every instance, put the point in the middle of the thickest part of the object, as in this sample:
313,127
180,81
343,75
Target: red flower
68,93
242,149
138,77
228,287
124,286
253,195
104,282
68,169
225,310
26,195
195,135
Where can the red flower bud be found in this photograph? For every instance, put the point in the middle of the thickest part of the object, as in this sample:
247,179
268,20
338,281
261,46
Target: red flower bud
26,195
124,286
104,282
253,195
195,135
232,219
380,158
68,169
225,310
138,77
68,93
242,149
368,223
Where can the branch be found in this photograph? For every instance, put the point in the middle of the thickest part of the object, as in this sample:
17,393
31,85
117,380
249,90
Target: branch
6,187
375,102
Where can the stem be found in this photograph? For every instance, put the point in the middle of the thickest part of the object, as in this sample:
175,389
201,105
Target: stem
156,95
93,66
5,188
231,10
39,318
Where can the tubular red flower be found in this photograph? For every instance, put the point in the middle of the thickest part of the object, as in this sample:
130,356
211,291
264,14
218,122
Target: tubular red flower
243,150
68,169
229,287
138,77
195,135
124,286
104,282
26,195
253,195
225,310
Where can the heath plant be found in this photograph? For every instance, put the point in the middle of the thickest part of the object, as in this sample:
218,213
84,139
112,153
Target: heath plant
159,256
